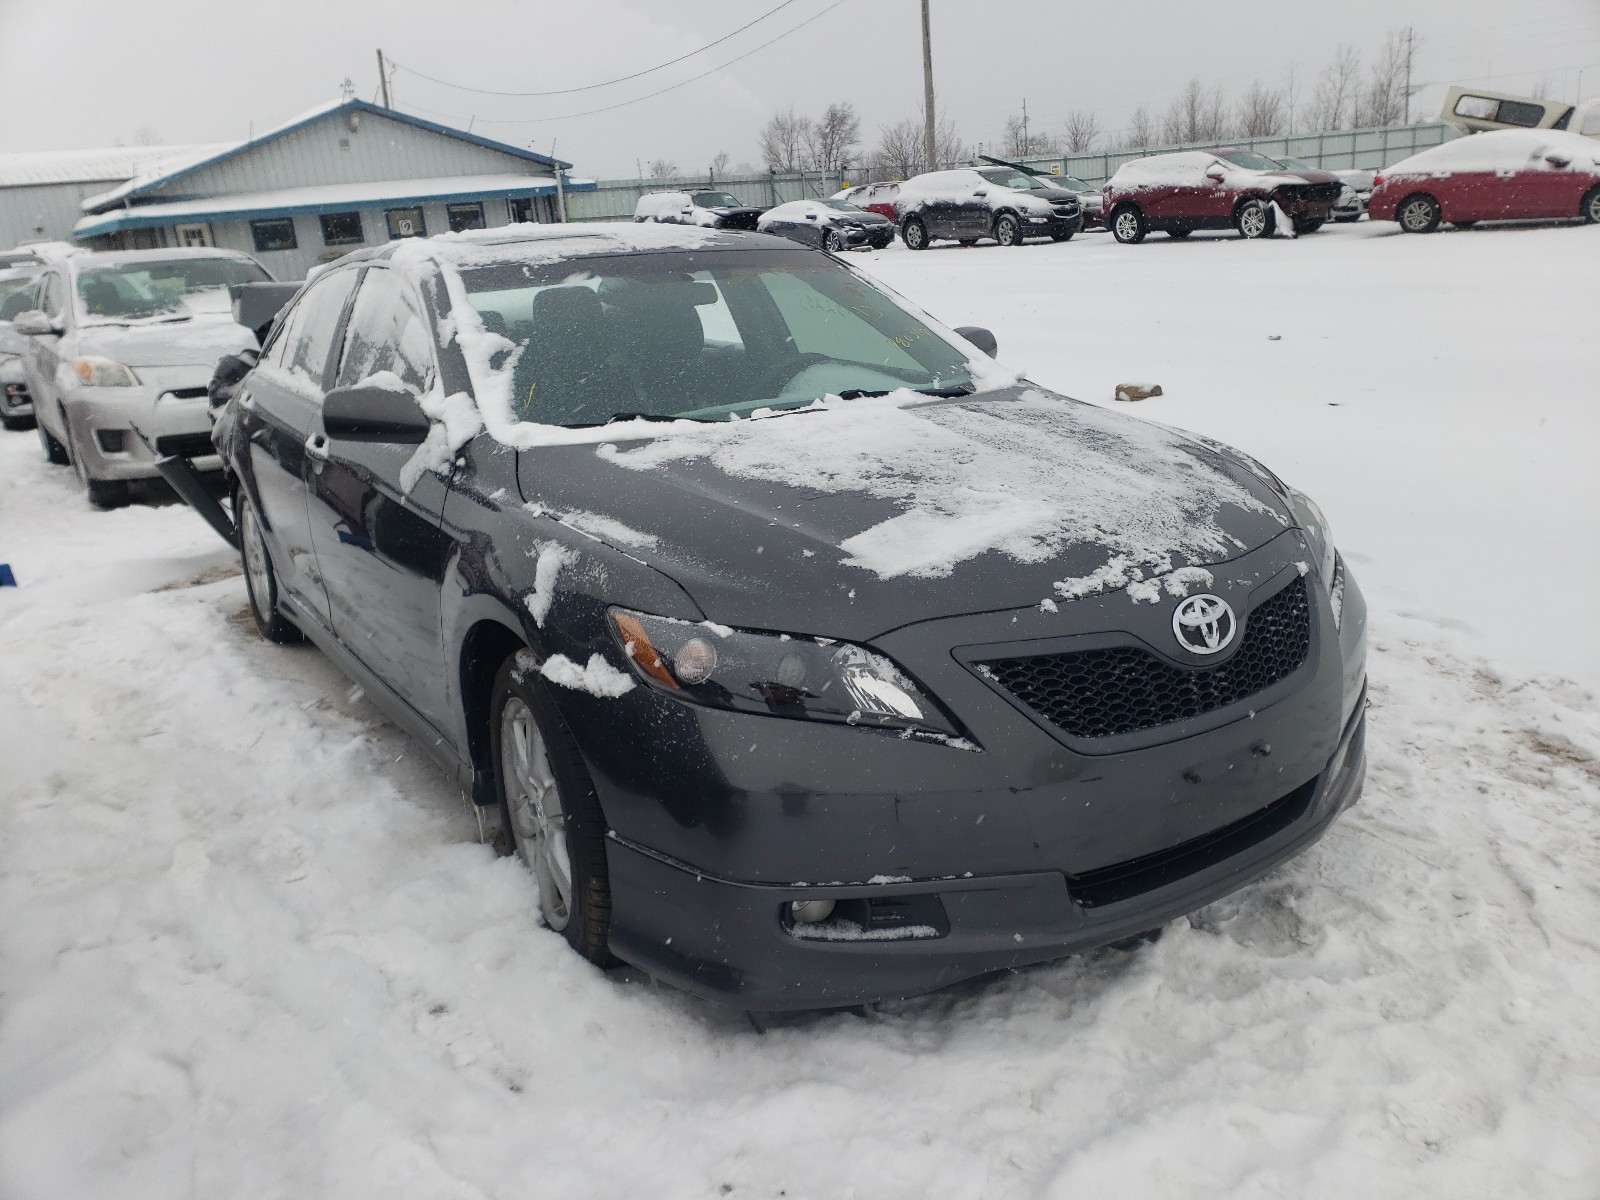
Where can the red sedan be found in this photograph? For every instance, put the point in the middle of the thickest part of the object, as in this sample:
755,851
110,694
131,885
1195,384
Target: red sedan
1506,175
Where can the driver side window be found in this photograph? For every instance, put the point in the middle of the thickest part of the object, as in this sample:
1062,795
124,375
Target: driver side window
388,331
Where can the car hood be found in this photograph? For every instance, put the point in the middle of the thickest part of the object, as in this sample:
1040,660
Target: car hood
747,211
854,517
188,341
860,218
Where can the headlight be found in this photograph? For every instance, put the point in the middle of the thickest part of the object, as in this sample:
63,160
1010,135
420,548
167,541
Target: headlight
103,372
1315,524
775,674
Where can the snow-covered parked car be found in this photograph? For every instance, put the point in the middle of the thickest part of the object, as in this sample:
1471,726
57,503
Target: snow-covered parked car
1503,175
830,224
874,197
19,286
751,599
712,210
970,203
120,349
1215,189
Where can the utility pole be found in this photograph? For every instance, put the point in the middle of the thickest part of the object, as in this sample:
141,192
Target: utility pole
930,142
1027,146
383,80
1411,48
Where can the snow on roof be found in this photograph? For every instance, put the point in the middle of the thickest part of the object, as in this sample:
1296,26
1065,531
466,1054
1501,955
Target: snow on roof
325,198
105,165
168,171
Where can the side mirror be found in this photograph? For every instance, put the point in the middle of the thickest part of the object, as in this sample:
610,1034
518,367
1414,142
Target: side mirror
1557,160
375,414
811,216
1215,175
980,337
34,323
981,192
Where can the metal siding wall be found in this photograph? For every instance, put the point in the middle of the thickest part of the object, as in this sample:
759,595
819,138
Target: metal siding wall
55,206
1369,149
380,149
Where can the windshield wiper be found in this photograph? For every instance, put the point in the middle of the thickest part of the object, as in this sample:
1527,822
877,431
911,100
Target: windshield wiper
943,393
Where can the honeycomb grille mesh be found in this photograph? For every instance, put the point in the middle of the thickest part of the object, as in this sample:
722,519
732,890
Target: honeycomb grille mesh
1123,689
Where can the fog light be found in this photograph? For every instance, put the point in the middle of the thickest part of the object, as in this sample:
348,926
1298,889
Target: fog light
810,912
111,440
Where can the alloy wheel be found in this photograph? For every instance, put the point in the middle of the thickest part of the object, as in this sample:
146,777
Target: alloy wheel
1127,227
1253,220
1417,215
538,819
257,567
1591,207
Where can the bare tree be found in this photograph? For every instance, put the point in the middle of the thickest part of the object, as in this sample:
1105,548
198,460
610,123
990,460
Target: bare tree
1082,131
899,151
947,145
1260,112
831,142
146,135
1385,100
783,141
1542,89
1023,141
663,168
1141,131
1333,105
719,164
1196,114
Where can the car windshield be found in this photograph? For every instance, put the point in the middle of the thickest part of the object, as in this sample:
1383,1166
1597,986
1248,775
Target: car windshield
1248,159
1006,177
1073,184
143,289
701,336
841,205
1295,164
716,200
16,294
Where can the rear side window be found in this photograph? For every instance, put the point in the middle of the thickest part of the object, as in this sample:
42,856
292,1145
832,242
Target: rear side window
1514,112
388,331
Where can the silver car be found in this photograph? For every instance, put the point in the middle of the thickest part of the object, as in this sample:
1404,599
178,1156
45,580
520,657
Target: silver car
120,350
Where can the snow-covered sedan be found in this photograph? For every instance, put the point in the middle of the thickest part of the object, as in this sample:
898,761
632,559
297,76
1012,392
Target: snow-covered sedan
971,203
1504,175
830,224
808,655
119,353
710,209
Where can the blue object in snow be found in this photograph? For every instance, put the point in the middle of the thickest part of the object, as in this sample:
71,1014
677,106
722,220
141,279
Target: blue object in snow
7,579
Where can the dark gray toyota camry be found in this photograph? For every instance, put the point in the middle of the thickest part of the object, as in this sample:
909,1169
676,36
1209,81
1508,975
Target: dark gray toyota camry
808,656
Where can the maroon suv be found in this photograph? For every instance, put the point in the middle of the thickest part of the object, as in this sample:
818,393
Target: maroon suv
1215,189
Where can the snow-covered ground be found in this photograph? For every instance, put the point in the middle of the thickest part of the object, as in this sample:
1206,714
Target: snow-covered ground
250,947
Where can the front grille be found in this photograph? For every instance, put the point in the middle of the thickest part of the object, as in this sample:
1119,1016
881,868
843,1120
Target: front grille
185,445
1066,208
1123,689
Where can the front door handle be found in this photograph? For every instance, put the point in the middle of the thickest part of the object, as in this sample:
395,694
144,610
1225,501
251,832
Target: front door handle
317,447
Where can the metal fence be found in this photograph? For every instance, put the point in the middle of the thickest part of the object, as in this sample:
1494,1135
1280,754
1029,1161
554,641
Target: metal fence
1369,149
614,199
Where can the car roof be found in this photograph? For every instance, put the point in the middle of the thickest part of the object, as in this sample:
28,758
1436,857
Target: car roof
574,239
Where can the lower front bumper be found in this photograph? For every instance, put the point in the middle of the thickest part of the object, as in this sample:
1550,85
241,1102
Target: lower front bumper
103,437
728,940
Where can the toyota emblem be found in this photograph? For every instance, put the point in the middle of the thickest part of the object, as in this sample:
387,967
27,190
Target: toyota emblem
1204,624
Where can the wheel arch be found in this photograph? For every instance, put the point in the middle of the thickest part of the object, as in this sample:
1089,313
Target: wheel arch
487,643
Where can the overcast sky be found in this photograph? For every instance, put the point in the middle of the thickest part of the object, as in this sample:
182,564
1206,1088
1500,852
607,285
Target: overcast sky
81,73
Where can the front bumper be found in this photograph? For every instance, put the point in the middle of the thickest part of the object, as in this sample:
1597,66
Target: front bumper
176,419
876,237
1031,848
1350,208
1052,226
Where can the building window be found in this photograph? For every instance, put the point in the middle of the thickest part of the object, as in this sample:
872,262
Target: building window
405,222
342,229
464,216
146,239
276,233
193,235
521,209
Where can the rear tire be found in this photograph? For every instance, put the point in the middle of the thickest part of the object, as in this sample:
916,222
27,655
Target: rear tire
1418,213
1008,230
914,234
1128,225
549,809
54,451
969,241
17,424
1589,206
1254,219
1063,237
1310,226
260,578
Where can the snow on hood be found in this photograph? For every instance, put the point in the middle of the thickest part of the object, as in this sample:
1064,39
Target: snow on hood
1026,477
197,334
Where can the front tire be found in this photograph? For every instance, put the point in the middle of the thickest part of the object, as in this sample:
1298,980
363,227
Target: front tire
549,809
17,424
1128,225
1007,230
1254,219
1589,206
1418,213
832,242
914,233
54,451
260,579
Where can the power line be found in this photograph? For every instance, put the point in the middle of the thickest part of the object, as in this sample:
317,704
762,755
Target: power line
589,87
652,95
